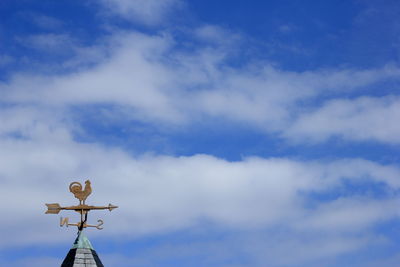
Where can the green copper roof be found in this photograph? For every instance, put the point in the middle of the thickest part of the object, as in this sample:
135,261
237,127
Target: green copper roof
82,254
82,241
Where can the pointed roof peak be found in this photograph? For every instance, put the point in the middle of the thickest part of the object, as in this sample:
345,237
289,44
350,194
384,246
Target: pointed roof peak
82,254
82,241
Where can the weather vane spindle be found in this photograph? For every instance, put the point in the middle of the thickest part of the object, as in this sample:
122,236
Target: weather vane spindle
81,194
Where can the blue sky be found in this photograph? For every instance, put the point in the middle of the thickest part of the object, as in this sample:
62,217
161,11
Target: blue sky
230,133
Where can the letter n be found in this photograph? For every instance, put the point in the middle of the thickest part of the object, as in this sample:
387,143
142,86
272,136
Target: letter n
64,221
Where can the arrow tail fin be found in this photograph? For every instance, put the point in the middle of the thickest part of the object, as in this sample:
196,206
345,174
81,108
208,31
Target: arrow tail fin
53,208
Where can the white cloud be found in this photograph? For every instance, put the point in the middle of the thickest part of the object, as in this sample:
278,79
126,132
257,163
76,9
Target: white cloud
45,22
6,60
246,249
133,78
391,261
160,194
144,77
49,42
149,12
32,262
217,35
165,193
360,119
344,215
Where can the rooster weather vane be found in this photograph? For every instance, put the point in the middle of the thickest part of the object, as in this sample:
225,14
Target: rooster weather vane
81,194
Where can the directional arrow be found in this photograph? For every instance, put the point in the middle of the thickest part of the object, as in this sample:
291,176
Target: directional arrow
81,194
55,208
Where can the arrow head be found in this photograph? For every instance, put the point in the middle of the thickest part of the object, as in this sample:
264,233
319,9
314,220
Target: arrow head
111,207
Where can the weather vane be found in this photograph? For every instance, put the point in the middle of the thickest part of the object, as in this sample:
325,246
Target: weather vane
81,194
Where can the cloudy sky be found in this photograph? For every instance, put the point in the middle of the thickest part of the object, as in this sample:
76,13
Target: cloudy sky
230,133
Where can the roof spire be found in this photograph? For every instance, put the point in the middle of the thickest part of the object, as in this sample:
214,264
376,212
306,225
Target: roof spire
82,253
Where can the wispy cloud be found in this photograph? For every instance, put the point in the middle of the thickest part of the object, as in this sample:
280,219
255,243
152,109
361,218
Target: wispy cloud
150,80
164,193
45,22
360,119
263,206
252,193
149,12
49,42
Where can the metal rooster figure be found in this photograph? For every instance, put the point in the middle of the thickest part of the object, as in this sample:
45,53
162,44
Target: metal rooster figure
81,194
76,189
